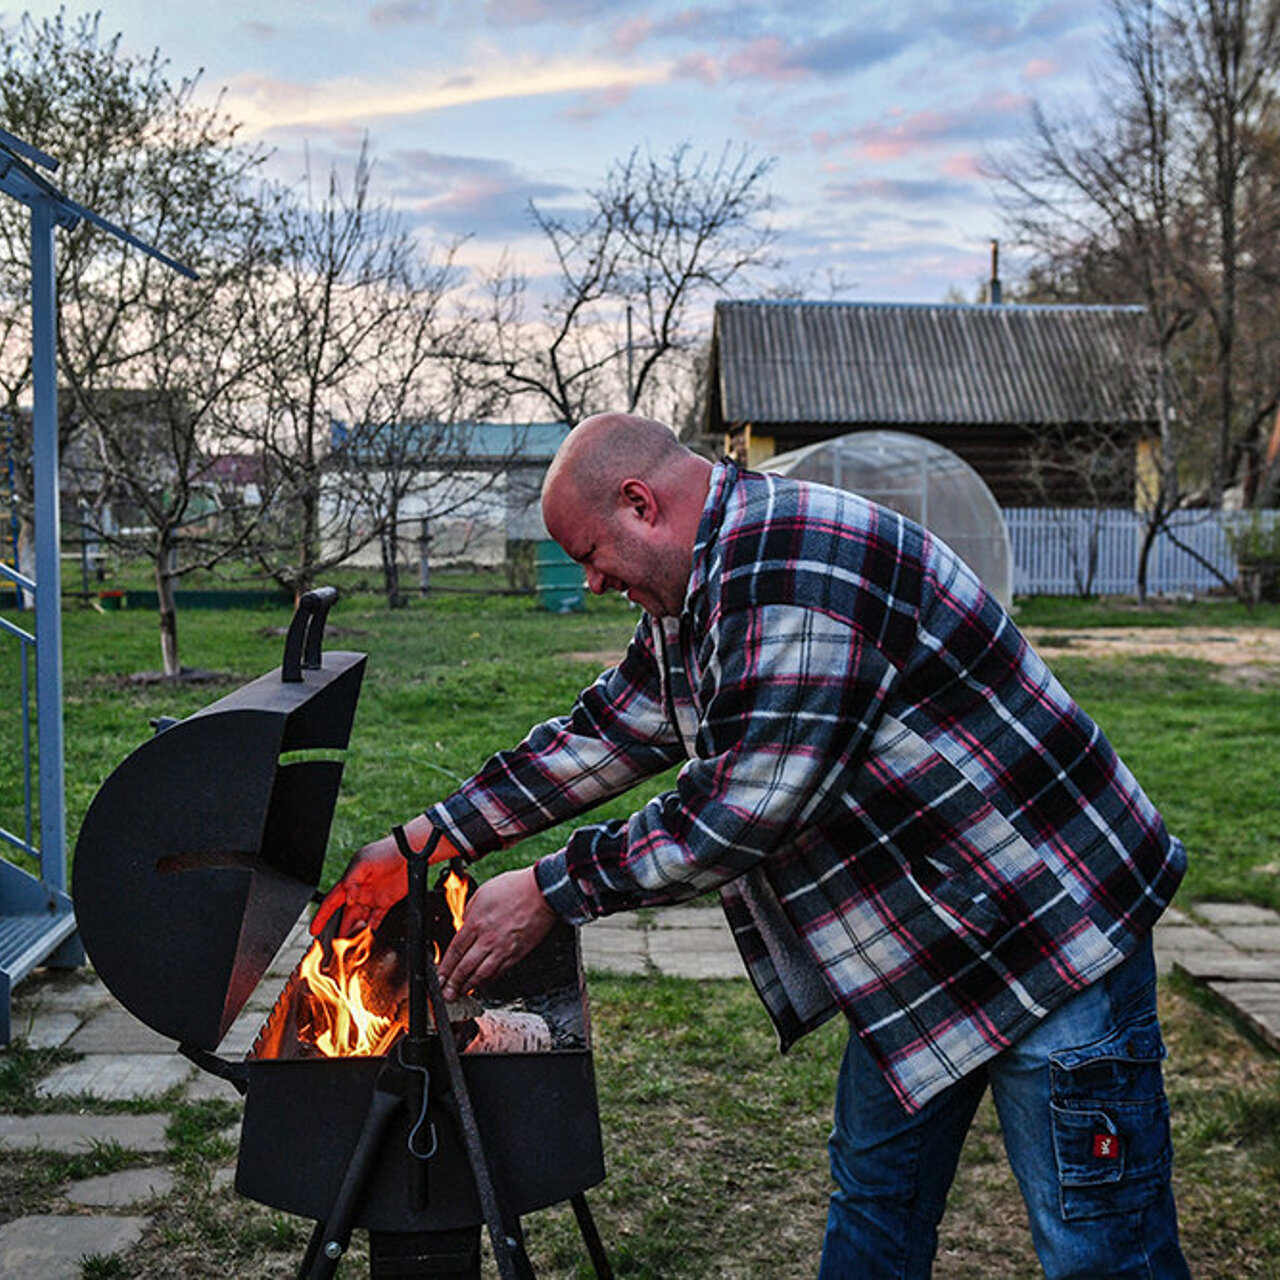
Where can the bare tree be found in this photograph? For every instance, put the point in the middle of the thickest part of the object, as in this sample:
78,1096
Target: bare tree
1228,55
1111,205
1167,195
364,353
146,357
663,235
157,415
414,459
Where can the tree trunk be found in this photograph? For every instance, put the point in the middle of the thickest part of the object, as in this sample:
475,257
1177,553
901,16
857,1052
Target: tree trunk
389,542
27,561
168,608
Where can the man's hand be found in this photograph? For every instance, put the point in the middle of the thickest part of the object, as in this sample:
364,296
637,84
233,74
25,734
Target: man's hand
375,880
506,918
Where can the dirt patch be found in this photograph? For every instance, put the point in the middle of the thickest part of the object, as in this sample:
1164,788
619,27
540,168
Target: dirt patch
1246,656
1249,656
600,659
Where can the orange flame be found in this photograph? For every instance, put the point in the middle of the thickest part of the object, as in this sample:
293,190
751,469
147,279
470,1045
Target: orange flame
342,1022
342,1010
455,896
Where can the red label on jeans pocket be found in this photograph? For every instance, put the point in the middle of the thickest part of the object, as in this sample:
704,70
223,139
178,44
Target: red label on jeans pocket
1106,1146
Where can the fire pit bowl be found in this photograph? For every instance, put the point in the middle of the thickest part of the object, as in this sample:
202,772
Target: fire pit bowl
195,861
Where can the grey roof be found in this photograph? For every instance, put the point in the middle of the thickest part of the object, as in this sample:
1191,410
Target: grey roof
903,364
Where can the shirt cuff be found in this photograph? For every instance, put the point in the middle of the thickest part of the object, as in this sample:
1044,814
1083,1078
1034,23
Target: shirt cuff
562,895
462,822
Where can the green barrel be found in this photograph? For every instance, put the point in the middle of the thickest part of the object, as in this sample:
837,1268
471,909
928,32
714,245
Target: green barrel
561,584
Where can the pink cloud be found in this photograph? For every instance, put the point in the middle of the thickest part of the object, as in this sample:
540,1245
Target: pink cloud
632,33
901,133
597,103
697,66
1041,69
767,58
964,164
825,140
909,134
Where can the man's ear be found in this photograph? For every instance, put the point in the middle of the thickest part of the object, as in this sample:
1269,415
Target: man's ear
637,499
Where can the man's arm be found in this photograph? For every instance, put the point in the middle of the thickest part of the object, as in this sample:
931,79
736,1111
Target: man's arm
791,701
617,734
376,879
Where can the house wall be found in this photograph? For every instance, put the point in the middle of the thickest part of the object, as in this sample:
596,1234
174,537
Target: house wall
1020,465
471,515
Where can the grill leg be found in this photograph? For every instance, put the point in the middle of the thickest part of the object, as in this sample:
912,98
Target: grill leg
591,1237
427,1253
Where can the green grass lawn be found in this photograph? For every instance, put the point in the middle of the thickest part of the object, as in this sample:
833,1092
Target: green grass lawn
714,1143
455,677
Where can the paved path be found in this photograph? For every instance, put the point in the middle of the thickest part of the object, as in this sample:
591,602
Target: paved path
1233,950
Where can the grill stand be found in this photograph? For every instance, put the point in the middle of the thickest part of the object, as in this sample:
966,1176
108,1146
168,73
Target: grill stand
404,1081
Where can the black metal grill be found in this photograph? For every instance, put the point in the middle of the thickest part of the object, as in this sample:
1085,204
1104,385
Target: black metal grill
194,862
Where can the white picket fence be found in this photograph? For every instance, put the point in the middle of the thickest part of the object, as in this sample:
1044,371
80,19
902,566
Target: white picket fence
1065,551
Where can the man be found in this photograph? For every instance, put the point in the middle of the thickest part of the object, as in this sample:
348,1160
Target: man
908,820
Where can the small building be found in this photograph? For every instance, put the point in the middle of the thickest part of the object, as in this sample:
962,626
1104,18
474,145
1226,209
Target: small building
1051,405
476,485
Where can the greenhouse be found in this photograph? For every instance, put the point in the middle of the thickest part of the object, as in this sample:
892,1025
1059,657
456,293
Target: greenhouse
923,481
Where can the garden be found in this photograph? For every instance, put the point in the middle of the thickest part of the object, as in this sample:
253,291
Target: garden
714,1143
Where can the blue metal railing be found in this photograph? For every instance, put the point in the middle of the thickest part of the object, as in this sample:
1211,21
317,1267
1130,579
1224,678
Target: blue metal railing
26,645
37,924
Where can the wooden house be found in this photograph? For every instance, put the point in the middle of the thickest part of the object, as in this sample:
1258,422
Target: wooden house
1051,405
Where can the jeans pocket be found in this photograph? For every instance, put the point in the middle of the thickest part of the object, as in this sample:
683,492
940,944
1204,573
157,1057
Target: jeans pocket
1110,1120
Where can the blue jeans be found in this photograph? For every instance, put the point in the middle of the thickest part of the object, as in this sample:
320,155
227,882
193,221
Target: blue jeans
1086,1129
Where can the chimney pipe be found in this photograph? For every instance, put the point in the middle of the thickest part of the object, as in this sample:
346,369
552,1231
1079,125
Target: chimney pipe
995,273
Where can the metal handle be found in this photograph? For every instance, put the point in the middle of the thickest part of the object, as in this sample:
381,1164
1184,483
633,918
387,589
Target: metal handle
306,634
235,1073
414,1045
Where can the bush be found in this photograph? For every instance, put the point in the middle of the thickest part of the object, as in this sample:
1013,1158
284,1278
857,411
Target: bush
1256,547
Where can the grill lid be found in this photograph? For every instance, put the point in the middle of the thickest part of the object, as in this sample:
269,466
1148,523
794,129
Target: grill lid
200,851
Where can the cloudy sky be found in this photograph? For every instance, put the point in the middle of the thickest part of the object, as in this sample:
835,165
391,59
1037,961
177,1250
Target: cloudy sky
879,113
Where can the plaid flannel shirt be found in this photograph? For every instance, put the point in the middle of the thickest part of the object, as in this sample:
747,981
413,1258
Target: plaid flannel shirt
876,764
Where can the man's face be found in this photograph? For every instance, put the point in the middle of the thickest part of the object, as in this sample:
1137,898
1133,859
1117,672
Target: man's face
625,554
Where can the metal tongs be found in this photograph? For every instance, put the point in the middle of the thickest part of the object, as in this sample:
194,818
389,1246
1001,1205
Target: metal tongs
424,987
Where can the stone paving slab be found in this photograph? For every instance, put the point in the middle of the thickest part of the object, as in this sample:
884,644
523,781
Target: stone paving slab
1185,945
693,918
241,1035
294,948
204,1085
76,990
72,1134
701,966
604,955
47,1030
113,1077
121,1190
695,953
1253,937
1230,968
115,1030
1232,913
52,1246
1258,1003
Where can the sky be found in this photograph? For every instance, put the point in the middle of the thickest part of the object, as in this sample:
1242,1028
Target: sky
879,115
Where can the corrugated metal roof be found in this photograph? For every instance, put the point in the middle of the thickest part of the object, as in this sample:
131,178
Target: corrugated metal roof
473,442
903,364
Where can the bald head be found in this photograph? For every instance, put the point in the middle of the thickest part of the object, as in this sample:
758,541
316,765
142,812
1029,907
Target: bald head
603,451
624,498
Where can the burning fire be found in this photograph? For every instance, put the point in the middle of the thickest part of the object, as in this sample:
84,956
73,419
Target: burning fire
349,1010
342,1001
456,889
